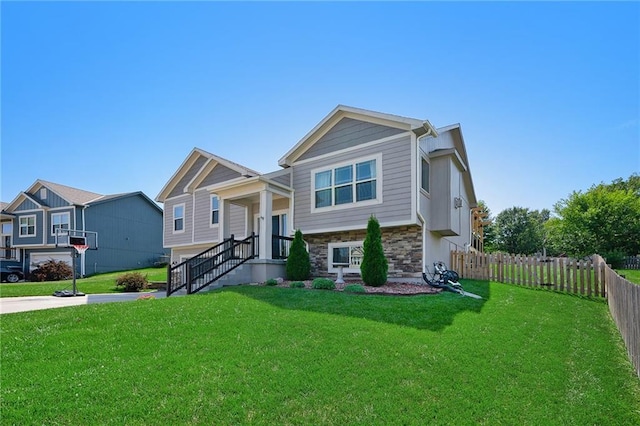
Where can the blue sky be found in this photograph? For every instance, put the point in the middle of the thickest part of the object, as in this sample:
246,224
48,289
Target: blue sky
111,96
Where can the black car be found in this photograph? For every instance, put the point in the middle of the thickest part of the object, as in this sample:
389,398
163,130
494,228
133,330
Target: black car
10,274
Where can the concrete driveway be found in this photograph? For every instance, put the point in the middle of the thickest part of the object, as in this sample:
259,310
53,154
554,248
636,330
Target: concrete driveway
10,305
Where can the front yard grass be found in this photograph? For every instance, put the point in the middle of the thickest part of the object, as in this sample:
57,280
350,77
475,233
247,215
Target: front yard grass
95,284
268,355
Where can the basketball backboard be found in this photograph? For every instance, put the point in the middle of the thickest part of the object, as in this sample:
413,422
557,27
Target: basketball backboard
70,237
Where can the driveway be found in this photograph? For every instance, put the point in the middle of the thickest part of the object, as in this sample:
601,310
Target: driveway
10,305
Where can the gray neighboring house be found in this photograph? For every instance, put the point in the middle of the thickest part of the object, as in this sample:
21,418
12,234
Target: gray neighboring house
129,228
414,178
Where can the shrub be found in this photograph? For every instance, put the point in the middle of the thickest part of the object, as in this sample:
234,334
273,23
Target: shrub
323,284
354,288
298,263
374,265
132,281
271,281
615,258
52,270
297,284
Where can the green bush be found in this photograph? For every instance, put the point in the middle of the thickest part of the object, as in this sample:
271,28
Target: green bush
323,284
615,258
374,265
52,270
271,281
132,281
297,284
298,263
354,288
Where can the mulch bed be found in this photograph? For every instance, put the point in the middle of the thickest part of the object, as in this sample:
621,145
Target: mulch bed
390,288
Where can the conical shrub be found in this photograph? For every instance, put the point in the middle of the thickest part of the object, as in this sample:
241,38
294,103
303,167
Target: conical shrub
298,263
374,265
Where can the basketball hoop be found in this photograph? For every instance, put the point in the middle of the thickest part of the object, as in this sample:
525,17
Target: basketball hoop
81,248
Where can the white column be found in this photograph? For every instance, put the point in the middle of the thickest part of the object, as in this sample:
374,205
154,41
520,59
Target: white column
266,228
224,207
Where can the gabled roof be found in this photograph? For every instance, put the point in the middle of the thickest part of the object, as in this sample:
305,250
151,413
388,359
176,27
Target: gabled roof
211,161
72,195
112,197
420,127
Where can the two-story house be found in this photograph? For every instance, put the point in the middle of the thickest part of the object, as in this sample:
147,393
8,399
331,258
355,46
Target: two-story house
124,229
414,178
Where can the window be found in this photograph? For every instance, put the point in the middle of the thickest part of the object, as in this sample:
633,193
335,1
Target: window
27,226
43,193
346,184
425,175
215,210
178,218
350,254
59,221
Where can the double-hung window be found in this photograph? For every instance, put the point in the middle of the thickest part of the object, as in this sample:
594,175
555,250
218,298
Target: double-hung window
215,210
346,184
59,221
178,218
27,226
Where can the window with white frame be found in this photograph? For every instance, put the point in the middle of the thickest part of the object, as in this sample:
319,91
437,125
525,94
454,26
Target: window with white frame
43,193
178,218
346,184
215,210
348,254
424,175
27,226
60,221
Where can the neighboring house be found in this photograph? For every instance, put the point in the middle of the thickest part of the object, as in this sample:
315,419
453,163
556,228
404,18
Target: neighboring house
128,227
414,178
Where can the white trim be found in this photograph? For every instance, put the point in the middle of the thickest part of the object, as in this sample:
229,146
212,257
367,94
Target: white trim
354,203
193,217
173,218
414,186
217,224
330,248
353,148
357,227
68,214
35,225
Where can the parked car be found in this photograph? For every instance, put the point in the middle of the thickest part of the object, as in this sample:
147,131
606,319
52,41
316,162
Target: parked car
10,274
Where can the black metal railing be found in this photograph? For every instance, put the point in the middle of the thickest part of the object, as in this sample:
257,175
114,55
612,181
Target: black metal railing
212,264
280,246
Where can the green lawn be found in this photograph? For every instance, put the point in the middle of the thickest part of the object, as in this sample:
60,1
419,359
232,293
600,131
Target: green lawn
632,275
267,355
101,283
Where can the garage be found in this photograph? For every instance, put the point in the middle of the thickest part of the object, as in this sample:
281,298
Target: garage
36,259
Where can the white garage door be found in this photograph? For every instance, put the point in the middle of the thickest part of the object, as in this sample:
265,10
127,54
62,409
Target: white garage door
38,258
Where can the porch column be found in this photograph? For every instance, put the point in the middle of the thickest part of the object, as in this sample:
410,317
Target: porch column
266,228
224,207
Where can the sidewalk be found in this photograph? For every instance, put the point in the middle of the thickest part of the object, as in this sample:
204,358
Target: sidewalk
10,305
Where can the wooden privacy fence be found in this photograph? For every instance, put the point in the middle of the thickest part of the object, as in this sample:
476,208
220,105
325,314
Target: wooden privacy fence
590,277
578,276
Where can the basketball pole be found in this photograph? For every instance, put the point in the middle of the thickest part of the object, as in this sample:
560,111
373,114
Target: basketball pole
73,262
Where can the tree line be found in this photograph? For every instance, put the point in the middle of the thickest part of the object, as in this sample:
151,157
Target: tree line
605,220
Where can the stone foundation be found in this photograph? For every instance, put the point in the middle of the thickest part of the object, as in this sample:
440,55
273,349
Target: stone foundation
402,247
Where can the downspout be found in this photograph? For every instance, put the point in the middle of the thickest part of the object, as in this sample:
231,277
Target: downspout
424,241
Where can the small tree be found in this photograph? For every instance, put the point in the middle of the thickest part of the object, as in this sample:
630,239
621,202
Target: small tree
374,265
298,263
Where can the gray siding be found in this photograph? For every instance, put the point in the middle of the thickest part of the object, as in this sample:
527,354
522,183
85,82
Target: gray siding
51,239
26,205
281,177
238,221
348,133
179,188
396,190
204,233
171,239
53,200
129,234
219,174
17,240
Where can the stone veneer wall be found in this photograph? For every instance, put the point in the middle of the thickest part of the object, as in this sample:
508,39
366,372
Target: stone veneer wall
402,246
